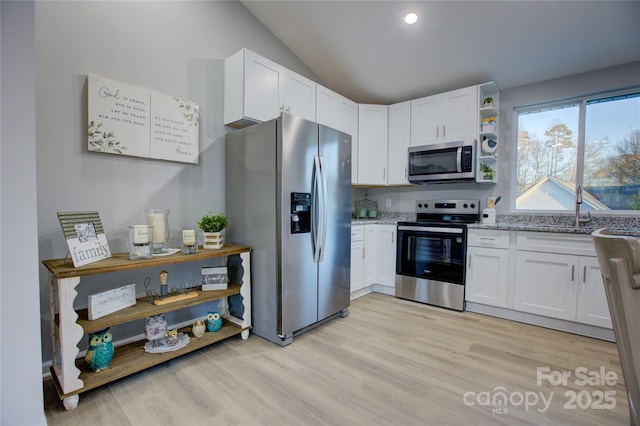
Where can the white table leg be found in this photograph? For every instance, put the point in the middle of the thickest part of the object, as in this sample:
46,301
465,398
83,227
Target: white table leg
69,334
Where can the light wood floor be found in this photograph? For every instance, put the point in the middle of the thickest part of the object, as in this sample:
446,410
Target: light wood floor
390,362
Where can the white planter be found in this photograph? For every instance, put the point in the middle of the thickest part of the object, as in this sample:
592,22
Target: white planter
213,240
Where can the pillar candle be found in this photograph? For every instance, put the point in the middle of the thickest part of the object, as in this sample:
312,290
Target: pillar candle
157,221
189,237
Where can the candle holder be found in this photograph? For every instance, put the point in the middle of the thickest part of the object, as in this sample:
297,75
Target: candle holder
140,244
159,219
189,243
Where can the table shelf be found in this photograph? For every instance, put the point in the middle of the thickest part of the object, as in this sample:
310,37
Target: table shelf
73,376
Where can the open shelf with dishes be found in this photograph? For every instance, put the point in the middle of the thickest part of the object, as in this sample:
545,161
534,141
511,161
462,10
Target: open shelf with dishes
487,158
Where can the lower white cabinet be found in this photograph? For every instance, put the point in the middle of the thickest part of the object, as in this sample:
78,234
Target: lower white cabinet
553,283
373,255
488,260
370,259
357,257
546,284
592,305
386,255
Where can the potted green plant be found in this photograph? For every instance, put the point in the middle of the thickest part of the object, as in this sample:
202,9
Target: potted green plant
487,172
212,226
487,102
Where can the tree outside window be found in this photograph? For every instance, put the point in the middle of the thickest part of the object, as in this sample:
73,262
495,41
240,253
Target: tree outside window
554,154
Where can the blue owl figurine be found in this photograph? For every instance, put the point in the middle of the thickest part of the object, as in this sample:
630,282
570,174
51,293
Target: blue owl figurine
100,352
213,321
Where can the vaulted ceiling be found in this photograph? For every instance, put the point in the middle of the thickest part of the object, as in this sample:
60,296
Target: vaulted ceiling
365,51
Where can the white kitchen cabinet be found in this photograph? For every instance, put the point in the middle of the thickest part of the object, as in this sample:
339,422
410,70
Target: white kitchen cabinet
340,113
592,307
373,137
449,116
426,120
488,263
257,89
546,284
370,257
399,141
373,257
555,279
357,257
386,254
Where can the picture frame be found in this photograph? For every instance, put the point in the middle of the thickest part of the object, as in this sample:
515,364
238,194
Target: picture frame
85,237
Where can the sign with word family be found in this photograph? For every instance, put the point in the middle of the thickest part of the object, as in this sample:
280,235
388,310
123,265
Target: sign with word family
85,237
130,120
110,301
214,278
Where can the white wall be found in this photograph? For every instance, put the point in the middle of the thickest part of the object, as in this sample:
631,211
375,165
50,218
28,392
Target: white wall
20,358
175,48
403,199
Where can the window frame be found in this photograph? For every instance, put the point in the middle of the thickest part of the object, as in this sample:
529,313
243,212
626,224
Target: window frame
581,102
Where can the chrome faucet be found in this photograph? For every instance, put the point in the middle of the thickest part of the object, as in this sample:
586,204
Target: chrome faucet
578,204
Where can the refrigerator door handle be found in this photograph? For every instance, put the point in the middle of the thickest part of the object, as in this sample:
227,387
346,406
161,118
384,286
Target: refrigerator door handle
315,199
323,208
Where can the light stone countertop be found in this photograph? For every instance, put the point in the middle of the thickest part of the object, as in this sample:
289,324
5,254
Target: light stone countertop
620,225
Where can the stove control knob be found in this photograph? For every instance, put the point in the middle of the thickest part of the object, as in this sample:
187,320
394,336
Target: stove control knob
465,205
473,206
420,205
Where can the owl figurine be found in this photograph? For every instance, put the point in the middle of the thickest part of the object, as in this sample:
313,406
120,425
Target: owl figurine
199,328
213,321
172,337
156,327
100,352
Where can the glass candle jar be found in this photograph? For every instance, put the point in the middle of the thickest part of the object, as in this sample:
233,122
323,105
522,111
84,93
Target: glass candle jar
189,243
159,219
140,244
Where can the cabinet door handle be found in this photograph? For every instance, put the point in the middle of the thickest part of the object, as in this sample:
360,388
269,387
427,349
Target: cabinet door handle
573,272
405,172
487,238
437,132
384,173
444,131
469,262
584,274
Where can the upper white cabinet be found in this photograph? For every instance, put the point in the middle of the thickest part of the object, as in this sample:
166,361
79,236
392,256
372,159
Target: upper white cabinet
257,89
373,133
399,141
449,116
340,113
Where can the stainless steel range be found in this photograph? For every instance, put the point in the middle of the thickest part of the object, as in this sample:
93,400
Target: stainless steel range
432,251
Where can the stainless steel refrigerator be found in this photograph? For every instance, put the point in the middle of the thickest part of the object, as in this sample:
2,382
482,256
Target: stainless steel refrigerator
288,197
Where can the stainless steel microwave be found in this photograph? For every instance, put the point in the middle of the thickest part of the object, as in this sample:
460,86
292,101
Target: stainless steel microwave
450,161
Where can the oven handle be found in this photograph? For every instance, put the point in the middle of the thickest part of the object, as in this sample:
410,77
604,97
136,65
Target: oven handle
431,229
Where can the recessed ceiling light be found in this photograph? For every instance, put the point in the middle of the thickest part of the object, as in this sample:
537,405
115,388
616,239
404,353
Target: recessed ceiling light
411,18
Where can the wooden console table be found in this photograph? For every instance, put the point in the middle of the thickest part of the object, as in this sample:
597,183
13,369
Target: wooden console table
72,375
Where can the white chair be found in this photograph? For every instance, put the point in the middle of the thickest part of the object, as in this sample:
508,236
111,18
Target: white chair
619,260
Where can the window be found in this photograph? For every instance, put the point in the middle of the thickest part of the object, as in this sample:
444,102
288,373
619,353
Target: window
594,142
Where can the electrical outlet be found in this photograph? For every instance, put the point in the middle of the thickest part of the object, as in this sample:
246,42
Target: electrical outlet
388,204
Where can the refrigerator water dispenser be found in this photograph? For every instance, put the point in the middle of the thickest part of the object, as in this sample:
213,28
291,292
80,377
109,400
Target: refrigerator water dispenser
300,212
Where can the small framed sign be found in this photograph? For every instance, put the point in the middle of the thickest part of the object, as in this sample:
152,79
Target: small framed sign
110,301
85,237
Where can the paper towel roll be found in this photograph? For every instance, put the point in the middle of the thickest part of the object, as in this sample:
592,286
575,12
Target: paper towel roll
489,216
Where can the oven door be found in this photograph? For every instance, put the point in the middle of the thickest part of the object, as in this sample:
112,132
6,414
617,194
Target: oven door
432,252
